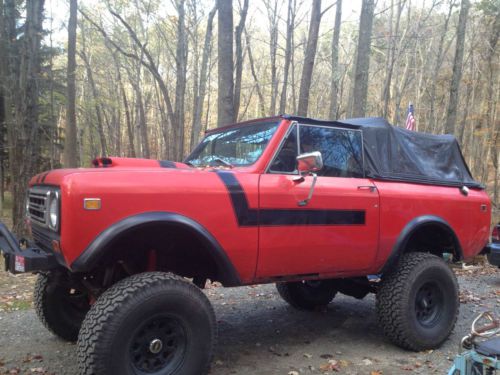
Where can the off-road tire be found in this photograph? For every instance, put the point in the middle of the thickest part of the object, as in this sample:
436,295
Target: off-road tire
106,344
411,316
305,295
59,307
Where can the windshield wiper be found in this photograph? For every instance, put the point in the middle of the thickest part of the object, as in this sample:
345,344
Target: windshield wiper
222,161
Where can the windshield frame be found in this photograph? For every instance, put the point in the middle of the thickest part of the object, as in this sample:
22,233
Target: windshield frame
272,122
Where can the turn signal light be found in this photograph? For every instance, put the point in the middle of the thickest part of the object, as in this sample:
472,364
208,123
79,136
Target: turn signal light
92,203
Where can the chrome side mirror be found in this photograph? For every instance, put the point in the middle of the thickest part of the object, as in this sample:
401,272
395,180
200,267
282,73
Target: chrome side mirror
308,164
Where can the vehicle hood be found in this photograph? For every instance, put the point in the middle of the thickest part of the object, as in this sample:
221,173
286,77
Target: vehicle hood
56,176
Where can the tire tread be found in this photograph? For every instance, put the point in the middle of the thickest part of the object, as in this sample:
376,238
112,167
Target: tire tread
90,354
390,314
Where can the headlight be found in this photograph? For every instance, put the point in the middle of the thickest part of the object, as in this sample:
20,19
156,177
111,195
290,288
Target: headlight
54,211
27,213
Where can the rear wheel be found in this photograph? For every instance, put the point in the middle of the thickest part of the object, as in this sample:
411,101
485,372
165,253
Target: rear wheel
150,323
307,295
59,306
417,303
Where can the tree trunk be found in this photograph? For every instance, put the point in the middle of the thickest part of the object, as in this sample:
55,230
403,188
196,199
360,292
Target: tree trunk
225,107
362,67
391,57
180,86
4,100
437,67
24,146
334,85
123,94
262,109
70,143
239,58
492,103
310,55
97,107
451,117
148,62
272,15
290,23
200,98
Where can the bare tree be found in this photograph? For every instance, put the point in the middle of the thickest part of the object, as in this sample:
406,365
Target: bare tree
391,54
272,15
200,96
451,117
290,24
437,66
126,106
492,107
310,55
262,109
95,96
225,107
23,131
334,85
239,58
70,144
180,85
362,67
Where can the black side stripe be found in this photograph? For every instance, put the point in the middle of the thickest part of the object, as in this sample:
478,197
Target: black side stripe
247,216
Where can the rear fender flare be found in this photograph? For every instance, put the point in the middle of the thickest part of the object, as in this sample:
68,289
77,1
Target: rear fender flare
401,243
91,256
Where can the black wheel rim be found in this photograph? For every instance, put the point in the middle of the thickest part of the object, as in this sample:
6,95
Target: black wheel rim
158,346
429,304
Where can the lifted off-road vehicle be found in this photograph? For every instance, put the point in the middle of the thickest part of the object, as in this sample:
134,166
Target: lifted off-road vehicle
123,250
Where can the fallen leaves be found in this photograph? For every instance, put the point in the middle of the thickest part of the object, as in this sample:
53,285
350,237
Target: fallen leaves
334,365
16,291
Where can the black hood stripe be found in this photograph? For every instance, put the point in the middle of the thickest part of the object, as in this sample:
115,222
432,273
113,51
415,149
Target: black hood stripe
44,177
247,216
167,164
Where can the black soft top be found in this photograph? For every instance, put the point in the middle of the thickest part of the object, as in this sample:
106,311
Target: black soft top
396,154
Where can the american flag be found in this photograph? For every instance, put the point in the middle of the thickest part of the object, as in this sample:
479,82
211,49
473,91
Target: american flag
410,120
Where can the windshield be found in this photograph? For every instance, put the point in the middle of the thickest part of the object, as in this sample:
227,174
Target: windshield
233,147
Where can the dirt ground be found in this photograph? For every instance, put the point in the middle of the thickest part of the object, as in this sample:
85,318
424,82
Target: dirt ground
260,334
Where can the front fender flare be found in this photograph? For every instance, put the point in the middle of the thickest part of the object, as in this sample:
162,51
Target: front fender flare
410,228
90,257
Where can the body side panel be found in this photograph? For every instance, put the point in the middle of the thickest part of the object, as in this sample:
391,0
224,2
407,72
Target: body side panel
400,203
197,194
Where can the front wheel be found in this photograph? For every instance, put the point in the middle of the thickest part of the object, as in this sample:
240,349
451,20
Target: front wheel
417,303
59,306
307,295
150,323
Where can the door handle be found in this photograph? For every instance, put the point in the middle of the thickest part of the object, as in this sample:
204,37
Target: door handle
367,187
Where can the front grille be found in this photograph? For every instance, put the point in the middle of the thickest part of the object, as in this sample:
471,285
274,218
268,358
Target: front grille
38,199
42,238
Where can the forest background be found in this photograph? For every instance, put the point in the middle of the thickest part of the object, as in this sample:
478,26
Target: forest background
146,78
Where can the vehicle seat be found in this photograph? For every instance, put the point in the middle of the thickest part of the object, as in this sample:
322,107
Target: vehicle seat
489,348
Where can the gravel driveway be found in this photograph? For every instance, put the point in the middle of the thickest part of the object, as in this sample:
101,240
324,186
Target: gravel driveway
260,334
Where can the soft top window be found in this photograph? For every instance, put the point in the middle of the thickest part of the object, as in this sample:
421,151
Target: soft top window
341,149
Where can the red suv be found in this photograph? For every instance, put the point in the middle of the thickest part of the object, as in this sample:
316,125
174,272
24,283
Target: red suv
318,207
